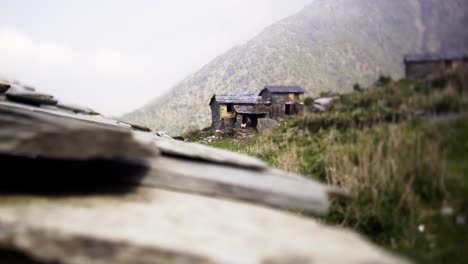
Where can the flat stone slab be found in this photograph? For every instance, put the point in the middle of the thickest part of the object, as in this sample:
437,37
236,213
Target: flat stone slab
76,109
28,95
269,187
209,154
4,87
29,133
157,226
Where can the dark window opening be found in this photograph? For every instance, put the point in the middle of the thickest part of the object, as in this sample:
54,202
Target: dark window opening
229,108
290,109
287,109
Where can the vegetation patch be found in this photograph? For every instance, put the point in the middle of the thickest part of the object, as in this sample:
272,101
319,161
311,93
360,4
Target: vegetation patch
400,147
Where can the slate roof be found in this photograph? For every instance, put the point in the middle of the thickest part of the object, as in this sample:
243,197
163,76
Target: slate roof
426,57
284,89
236,99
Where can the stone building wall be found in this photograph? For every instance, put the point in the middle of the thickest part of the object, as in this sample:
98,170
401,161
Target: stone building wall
224,111
266,95
277,109
216,123
427,68
229,122
220,116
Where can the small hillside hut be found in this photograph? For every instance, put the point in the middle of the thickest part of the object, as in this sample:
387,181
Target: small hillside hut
234,110
422,65
285,100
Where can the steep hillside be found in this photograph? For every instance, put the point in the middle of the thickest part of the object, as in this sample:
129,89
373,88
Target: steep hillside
327,46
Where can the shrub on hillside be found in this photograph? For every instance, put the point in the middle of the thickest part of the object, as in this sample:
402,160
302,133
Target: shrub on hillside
308,101
357,88
383,80
191,134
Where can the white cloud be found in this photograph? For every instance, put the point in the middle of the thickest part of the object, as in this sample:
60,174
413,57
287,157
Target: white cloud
101,79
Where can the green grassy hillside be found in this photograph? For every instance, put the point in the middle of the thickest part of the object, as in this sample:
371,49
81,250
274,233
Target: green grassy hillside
401,148
327,46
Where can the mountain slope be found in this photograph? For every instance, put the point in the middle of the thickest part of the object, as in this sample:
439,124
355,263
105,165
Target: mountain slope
327,46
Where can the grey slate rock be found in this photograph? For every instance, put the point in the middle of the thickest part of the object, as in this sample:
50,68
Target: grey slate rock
76,109
267,187
264,124
319,108
157,226
31,98
140,128
31,134
4,87
324,101
201,152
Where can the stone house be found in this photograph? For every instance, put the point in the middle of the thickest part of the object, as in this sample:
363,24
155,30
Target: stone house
274,102
234,110
285,100
422,65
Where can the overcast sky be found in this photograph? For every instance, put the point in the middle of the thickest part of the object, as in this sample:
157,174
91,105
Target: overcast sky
117,55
